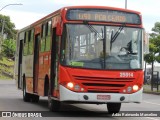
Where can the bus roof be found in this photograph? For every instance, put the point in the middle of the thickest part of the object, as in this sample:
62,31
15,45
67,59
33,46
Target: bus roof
73,7
103,7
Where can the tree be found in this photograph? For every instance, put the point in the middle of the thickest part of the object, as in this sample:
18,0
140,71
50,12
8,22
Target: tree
154,46
156,30
155,41
7,47
9,27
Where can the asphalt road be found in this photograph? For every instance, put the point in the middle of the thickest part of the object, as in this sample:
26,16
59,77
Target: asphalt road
11,100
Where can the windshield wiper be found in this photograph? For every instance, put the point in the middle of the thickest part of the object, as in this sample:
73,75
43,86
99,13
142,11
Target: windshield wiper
92,29
101,37
113,38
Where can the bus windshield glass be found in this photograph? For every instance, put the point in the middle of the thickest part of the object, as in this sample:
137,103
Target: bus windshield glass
102,47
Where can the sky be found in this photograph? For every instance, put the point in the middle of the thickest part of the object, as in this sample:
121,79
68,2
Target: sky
32,10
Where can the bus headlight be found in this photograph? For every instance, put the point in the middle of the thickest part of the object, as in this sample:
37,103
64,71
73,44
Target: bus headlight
135,87
70,85
74,87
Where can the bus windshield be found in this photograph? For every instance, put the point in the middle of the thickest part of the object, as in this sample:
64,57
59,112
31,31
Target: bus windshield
102,47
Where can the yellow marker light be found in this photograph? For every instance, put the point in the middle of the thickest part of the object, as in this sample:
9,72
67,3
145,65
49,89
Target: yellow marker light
70,85
124,91
82,89
135,87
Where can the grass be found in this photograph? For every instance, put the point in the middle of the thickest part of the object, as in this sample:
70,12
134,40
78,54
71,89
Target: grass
6,68
147,88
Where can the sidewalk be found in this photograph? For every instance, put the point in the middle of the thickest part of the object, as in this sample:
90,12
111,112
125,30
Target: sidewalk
147,89
7,82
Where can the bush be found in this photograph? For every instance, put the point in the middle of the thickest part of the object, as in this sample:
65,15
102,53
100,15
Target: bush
8,48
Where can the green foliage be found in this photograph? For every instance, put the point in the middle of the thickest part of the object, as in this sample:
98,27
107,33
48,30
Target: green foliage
156,28
9,27
153,48
154,45
8,48
6,68
158,59
149,58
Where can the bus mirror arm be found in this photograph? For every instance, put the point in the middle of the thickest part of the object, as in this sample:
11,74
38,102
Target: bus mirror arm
59,29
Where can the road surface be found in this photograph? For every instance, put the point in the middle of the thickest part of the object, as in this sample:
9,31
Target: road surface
11,100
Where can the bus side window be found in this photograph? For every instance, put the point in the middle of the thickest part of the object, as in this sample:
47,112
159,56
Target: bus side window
30,41
25,52
48,36
43,41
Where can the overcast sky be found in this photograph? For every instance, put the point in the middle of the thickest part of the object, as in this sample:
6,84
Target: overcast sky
32,10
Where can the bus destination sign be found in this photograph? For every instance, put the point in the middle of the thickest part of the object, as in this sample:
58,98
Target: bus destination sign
103,16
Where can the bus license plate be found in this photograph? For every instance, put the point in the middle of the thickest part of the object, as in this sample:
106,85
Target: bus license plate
103,97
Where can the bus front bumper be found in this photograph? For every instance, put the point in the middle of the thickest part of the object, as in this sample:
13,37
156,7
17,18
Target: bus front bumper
69,96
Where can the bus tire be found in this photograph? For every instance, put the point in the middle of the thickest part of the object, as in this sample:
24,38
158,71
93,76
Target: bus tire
53,105
35,98
113,107
26,96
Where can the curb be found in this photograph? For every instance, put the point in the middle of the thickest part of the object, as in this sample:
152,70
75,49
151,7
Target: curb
151,92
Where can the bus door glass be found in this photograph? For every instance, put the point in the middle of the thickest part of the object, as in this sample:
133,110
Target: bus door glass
36,62
54,62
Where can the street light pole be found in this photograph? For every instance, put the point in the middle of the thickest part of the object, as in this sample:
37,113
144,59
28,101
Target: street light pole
3,23
125,4
9,5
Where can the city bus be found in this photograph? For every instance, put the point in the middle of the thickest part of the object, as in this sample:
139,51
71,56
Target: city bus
82,54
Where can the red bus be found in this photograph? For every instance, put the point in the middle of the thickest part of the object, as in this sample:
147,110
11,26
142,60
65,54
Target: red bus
82,54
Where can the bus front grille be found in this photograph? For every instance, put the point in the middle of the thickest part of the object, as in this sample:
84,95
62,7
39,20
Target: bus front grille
103,84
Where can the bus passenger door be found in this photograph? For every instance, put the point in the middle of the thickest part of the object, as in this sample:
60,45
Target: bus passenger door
36,63
20,64
54,62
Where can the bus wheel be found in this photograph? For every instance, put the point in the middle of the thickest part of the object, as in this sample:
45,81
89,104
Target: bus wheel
113,107
54,105
35,98
26,96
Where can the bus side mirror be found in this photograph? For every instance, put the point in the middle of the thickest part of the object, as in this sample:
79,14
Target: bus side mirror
59,29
